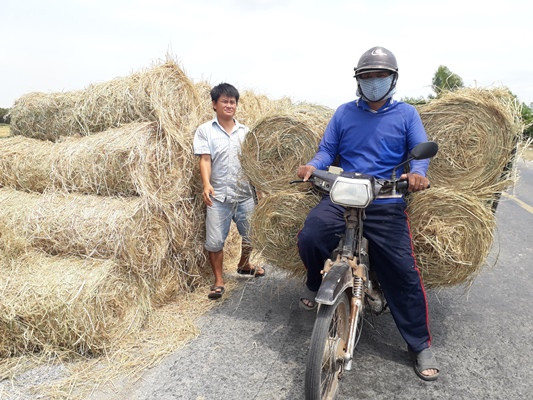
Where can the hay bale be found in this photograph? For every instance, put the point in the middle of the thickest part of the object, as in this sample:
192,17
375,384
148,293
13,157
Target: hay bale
162,94
205,109
252,107
23,169
135,159
50,303
478,131
280,142
122,229
452,235
275,224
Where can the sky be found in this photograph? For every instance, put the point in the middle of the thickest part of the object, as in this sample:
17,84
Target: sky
302,49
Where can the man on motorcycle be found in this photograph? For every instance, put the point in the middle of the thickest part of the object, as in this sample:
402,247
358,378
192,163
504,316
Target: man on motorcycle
372,135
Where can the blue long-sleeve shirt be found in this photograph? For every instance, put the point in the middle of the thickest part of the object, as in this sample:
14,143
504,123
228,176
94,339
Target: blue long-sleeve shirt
372,142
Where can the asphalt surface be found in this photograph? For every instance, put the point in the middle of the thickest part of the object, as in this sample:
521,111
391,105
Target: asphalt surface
254,345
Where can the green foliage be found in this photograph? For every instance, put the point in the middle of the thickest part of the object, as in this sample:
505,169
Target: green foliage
527,117
415,101
3,113
444,80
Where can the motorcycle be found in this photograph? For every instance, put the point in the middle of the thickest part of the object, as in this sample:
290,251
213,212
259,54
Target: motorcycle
348,288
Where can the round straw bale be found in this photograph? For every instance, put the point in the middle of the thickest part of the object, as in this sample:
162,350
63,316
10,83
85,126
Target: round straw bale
205,108
452,235
252,107
51,303
275,224
123,229
478,131
162,94
132,160
280,142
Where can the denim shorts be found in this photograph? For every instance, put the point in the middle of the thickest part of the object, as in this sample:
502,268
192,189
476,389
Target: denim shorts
218,222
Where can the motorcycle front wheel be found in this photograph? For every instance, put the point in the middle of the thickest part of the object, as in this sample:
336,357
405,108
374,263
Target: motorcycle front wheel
328,345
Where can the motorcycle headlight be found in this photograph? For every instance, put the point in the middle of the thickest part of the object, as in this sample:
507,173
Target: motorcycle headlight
349,192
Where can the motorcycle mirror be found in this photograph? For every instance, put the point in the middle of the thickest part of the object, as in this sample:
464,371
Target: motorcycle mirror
424,150
419,152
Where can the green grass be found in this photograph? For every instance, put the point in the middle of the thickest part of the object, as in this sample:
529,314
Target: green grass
4,130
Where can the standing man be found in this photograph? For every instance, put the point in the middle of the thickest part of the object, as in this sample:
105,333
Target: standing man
372,135
226,192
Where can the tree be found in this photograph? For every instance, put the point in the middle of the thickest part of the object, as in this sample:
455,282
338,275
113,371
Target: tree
444,79
527,118
3,113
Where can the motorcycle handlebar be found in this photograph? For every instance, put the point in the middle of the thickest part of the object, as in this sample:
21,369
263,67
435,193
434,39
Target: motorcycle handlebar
387,187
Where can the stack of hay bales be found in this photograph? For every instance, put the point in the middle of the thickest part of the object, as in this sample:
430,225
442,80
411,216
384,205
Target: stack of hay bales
100,220
477,131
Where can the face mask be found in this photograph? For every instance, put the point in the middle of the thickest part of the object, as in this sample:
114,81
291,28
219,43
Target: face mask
375,89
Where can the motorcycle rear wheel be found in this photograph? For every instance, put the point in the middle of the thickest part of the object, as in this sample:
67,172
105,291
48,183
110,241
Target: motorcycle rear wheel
328,344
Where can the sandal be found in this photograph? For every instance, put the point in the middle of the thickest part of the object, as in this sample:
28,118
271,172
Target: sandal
251,271
215,292
422,361
307,301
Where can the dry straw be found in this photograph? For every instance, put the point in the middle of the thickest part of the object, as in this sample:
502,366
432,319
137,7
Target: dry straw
253,107
162,94
280,142
477,131
205,107
452,235
275,224
51,303
135,159
89,226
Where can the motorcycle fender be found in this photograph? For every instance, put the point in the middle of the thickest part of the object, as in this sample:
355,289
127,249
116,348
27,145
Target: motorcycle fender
338,279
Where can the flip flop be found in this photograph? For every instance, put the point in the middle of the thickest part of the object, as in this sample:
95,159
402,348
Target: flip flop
251,272
308,295
422,361
216,292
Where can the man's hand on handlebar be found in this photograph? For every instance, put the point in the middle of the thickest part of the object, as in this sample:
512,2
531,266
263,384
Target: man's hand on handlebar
304,171
416,182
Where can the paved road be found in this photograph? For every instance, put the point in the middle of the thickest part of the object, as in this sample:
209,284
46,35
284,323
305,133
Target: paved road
253,346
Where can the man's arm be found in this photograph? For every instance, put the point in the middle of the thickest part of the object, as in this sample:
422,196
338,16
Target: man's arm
415,135
205,173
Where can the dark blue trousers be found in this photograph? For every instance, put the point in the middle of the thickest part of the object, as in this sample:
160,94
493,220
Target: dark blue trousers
386,228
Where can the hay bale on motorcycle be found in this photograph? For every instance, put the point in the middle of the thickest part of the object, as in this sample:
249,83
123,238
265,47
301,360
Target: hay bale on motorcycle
135,159
452,235
275,224
477,131
278,143
161,94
